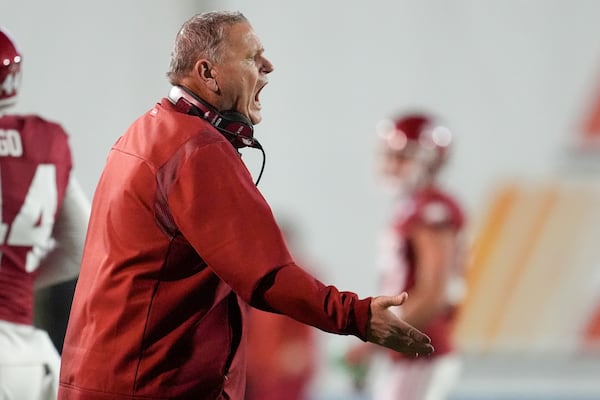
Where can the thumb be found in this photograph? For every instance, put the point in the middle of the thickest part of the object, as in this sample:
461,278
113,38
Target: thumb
390,301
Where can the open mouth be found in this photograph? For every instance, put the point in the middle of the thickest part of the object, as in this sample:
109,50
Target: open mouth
257,95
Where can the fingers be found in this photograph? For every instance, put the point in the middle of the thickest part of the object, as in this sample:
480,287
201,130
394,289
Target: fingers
416,343
421,351
417,335
391,301
409,346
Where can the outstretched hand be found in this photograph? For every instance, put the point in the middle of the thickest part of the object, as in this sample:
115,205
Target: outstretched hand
386,329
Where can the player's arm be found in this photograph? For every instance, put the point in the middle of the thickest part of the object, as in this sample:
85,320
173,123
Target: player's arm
62,264
435,248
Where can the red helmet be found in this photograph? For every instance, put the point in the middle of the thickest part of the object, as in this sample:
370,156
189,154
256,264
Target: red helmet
10,69
416,135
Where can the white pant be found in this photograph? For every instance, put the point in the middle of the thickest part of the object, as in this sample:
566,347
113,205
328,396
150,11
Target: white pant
29,363
416,379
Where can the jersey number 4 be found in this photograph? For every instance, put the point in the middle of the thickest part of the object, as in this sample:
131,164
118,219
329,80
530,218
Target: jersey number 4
32,227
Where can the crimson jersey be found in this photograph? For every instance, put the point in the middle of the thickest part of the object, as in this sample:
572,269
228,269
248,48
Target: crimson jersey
179,241
432,207
35,164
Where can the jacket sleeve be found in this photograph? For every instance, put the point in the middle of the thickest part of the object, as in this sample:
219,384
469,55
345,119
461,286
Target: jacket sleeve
223,215
292,291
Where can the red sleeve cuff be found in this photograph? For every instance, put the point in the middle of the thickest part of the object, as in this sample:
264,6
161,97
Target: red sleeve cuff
292,291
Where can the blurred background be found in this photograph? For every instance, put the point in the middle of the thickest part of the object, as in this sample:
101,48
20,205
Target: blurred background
518,82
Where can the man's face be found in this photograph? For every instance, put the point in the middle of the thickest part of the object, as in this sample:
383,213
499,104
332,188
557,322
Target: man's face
401,171
398,164
242,73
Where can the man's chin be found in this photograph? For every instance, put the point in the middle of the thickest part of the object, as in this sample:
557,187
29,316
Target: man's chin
255,118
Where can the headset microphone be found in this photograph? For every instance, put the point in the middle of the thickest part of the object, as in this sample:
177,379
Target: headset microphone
235,126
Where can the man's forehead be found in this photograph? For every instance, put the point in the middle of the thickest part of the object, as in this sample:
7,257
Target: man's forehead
242,34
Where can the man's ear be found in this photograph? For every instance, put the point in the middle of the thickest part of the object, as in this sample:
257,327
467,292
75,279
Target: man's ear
204,69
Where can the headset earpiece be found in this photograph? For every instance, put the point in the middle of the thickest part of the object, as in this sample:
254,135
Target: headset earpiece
240,126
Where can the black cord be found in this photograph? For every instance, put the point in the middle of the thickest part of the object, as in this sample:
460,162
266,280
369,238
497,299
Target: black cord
257,145
251,142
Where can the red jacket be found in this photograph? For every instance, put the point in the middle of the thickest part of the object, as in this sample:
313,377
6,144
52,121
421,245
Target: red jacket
179,241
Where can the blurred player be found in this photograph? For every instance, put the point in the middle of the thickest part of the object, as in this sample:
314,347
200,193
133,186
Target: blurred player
282,352
422,254
43,218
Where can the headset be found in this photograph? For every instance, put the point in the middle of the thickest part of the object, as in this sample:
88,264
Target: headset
235,126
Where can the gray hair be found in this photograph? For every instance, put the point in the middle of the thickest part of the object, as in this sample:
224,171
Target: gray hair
200,37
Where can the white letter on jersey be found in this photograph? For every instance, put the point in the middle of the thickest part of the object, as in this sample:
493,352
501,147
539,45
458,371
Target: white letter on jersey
33,225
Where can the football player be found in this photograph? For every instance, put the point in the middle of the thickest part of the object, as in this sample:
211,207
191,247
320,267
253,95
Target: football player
43,219
421,253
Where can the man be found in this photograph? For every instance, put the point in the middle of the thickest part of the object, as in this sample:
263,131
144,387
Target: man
422,253
43,218
181,240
